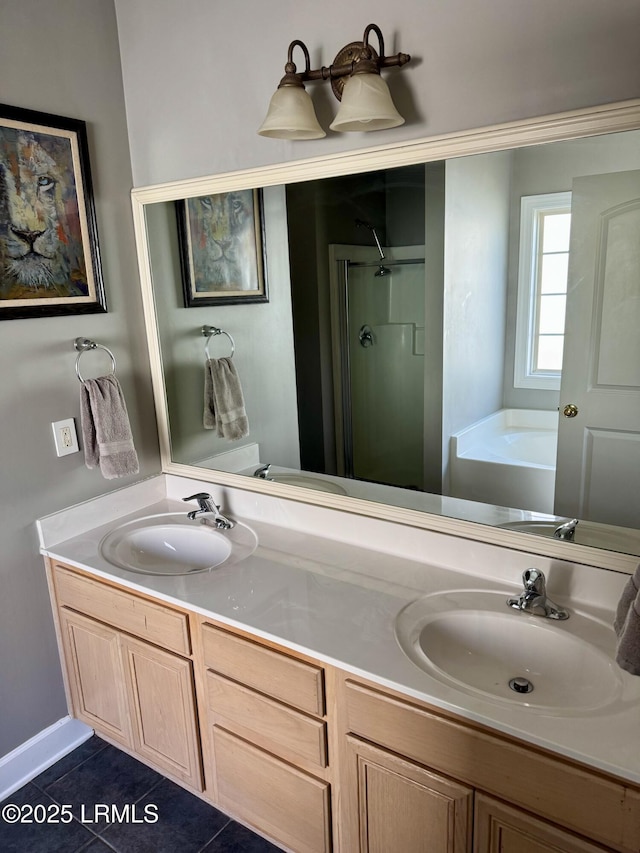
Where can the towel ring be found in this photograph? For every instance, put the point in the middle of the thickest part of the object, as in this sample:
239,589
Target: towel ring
211,331
84,345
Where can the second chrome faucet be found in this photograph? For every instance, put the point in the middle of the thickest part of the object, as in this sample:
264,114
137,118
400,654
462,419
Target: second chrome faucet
533,598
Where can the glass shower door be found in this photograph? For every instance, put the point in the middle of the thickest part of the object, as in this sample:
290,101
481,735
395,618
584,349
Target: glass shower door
385,308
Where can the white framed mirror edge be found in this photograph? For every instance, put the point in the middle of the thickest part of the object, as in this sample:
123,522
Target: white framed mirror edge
592,121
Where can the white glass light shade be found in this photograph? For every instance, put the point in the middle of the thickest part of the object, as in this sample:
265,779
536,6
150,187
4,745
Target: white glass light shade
291,116
366,105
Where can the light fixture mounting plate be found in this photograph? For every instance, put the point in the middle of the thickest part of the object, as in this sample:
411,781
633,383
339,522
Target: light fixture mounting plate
349,53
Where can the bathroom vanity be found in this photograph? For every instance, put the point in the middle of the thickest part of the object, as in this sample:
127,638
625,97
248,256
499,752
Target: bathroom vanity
276,687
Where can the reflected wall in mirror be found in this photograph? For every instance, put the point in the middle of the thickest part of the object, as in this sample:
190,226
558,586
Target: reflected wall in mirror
430,331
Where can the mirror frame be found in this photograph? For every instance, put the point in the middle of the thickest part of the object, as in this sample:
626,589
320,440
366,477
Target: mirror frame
594,121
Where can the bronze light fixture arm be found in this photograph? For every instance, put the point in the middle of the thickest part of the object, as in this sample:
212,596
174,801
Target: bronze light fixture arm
356,57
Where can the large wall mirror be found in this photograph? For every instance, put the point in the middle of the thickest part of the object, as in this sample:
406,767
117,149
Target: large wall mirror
451,332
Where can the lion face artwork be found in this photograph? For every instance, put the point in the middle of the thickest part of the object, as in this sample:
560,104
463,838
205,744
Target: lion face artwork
41,240
224,244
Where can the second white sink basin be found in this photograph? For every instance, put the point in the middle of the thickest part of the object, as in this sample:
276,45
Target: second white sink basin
317,483
471,639
172,544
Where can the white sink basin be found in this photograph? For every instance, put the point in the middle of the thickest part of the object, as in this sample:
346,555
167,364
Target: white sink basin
472,640
172,544
586,533
308,483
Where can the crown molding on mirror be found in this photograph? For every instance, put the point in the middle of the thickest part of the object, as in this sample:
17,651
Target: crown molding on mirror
594,121
607,118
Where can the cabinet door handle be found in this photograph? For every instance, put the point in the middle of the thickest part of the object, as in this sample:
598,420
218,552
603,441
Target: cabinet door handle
570,410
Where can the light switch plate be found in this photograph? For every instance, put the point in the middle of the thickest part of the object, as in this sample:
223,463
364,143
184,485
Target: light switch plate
65,437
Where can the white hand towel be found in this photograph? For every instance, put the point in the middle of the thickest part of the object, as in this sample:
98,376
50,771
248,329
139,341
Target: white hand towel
106,431
224,408
627,626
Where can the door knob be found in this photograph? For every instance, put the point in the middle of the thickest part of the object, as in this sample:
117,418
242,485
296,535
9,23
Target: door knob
570,410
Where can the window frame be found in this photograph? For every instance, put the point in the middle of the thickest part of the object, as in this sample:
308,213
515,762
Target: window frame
532,207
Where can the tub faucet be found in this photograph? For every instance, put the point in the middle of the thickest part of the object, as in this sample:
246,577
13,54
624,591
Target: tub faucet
207,506
534,597
566,531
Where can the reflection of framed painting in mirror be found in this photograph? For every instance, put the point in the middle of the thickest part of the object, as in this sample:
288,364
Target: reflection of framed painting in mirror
222,248
49,257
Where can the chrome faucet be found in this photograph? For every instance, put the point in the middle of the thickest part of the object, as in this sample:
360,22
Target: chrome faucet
566,531
534,597
207,506
263,471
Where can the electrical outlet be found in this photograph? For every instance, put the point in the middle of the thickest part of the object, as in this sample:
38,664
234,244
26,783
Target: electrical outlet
65,437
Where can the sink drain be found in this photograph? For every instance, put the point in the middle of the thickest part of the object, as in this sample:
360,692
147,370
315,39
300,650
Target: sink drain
521,685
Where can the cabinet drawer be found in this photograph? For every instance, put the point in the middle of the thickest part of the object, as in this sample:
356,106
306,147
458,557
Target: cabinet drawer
153,622
268,723
281,801
594,805
278,675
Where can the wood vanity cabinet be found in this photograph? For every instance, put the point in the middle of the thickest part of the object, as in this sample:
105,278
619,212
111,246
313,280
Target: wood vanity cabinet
314,758
408,764
268,739
132,691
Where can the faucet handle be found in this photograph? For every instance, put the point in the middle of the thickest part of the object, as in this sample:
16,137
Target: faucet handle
205,501
208,505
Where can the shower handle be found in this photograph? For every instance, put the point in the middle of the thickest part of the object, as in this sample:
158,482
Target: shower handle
365,336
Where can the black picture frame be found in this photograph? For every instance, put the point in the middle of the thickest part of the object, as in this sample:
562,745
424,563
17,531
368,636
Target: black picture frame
222,249
49,250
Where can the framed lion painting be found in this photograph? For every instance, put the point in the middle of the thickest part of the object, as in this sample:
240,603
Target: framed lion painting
222,248
49,256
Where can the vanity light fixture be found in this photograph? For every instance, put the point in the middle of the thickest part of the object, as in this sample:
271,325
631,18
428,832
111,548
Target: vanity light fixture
356,82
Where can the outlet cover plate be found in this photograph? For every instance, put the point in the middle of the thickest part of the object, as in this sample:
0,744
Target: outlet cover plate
65,437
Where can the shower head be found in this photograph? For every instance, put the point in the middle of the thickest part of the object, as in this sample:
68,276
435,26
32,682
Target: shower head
382,271
362,224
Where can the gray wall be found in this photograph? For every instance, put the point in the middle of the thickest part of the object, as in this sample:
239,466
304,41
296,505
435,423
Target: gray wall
199,74
61,57
263,337
477,192
188,114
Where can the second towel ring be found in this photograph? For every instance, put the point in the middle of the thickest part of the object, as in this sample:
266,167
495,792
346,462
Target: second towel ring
84,345
211,331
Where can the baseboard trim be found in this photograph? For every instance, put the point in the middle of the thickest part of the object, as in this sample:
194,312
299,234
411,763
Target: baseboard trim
24,763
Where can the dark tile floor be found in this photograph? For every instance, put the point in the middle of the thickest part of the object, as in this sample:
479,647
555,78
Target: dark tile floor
115,803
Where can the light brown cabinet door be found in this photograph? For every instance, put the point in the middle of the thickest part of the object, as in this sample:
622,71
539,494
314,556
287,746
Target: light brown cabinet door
163,710
402,806
503,829
96,676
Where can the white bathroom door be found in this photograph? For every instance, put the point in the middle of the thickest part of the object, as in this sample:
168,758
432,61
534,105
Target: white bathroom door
598,470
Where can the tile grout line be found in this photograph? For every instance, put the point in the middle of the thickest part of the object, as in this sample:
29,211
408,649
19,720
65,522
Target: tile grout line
107,826
91,841
215,835
64,775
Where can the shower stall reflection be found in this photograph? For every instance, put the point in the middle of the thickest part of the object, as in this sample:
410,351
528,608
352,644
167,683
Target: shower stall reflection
380,359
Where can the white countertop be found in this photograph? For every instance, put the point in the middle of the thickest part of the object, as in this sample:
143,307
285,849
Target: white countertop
338,602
